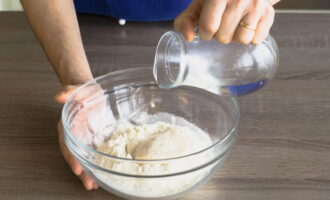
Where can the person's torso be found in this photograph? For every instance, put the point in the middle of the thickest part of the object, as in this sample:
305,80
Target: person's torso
135,10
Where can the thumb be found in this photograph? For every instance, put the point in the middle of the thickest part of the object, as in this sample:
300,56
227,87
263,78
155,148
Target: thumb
188,19
62,96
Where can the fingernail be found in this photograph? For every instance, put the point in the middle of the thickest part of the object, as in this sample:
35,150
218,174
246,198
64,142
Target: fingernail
88,187
77,170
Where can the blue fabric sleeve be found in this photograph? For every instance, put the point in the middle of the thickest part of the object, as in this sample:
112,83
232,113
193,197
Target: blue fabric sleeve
134,10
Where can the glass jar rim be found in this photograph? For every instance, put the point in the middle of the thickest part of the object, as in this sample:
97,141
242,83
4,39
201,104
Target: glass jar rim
163,45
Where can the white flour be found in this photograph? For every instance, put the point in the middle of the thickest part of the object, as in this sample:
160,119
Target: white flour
158,140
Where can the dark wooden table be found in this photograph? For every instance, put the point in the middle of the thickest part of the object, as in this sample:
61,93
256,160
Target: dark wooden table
283,150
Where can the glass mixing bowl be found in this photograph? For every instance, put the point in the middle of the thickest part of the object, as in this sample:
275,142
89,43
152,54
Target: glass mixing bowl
93,111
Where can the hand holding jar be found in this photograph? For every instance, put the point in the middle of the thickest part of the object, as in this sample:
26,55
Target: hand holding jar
244,21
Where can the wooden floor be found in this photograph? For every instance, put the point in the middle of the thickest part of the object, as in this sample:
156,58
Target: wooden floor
283,150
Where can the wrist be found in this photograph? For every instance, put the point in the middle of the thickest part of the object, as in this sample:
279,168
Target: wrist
74,73
75,80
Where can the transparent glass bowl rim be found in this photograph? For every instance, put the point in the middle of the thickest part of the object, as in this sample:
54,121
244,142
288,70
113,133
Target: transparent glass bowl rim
67,132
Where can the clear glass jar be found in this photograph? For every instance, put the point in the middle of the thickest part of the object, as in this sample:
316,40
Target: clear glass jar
224,69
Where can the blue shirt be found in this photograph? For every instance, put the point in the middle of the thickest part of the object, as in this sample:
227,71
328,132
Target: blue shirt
134,10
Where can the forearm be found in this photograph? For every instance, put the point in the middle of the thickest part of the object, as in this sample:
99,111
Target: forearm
273,2
55,24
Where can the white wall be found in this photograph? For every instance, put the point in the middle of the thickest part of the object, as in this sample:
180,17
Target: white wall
10,5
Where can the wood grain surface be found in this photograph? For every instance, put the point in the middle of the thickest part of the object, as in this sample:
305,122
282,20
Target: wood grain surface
303,4
283,150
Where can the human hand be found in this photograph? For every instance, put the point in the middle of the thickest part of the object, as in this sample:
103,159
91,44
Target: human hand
69,158
245,21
